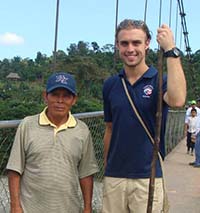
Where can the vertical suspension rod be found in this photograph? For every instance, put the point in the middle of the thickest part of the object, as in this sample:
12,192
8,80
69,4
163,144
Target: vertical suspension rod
116,22
188,49
184,26
56,35
145,11
170,13
176,28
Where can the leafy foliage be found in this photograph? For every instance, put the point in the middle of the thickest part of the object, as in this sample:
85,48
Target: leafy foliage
89,63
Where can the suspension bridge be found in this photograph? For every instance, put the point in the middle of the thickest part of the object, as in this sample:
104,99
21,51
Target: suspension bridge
181,179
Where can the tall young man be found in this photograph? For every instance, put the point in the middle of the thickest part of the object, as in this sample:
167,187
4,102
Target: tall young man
127,148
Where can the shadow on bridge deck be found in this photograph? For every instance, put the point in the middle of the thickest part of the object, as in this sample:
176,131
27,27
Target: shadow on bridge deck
182,180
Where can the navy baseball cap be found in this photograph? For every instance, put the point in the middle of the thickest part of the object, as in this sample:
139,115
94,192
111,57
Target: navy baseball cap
61,80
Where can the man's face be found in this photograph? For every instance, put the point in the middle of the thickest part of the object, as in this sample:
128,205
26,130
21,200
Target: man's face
59,102
132,45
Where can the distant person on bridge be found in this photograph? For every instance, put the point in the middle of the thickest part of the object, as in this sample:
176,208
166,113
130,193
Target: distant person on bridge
196,163
193,105
127,148
190,131
52,156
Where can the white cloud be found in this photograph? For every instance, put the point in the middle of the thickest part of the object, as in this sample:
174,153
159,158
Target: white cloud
11,39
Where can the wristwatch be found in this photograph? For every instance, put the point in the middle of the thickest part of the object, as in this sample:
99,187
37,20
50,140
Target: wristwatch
174,53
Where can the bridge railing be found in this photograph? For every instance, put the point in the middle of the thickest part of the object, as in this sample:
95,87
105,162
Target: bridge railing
95,122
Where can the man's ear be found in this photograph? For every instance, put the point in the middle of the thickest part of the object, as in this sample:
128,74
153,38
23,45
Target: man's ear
147,44
44,95
75,100
117,45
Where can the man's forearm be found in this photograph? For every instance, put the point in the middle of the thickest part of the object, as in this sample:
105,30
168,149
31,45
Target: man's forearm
14,189
176,83
87,190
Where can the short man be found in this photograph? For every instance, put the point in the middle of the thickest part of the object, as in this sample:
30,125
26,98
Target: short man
52,155
127,148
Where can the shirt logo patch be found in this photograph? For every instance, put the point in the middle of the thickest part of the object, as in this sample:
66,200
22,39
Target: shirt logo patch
147,90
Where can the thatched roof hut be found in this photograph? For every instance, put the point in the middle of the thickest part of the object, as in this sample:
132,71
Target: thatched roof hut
13,76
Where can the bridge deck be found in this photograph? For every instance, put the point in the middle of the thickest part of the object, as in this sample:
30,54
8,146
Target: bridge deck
182,180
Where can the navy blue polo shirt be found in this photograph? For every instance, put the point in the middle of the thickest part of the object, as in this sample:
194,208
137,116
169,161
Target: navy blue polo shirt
130,151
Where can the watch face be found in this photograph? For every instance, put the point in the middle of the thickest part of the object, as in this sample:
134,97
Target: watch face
176,51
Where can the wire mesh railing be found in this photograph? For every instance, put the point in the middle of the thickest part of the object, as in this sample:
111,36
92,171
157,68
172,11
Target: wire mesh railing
95,122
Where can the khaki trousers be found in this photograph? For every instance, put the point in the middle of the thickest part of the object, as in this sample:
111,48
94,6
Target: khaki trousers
122,195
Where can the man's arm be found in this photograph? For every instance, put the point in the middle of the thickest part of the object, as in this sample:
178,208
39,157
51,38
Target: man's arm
14,188
176,83
106,140
86,184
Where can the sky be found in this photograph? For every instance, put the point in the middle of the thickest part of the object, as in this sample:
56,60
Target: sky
28,26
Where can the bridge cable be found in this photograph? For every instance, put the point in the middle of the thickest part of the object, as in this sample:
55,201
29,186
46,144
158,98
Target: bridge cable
115,41
56,37
180,44
176,28
187,47
184,26
170,13
145,10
